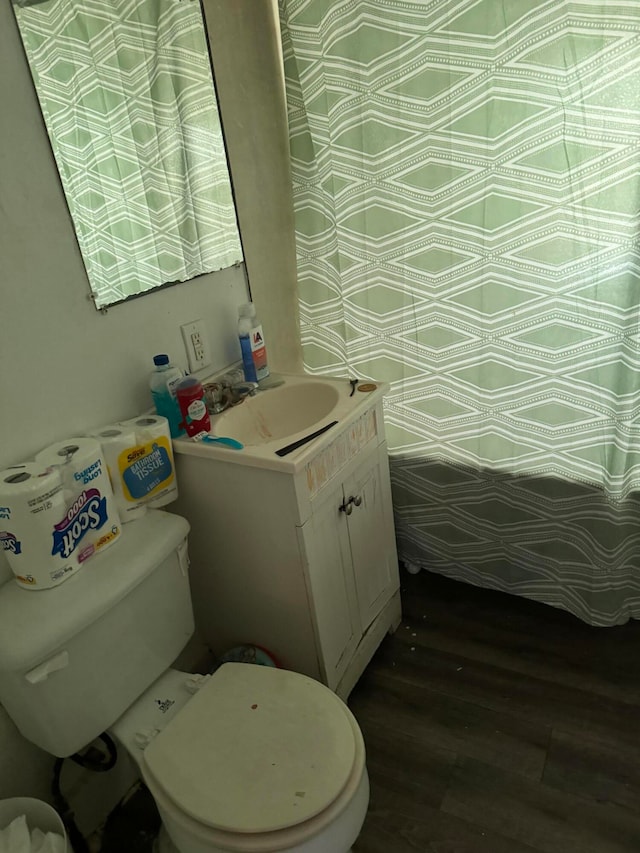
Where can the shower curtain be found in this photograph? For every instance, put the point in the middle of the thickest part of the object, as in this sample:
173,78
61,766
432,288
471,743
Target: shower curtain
466,188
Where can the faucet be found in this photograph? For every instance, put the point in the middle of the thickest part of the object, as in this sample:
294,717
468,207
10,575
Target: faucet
230,390
240,390
223,394
235,389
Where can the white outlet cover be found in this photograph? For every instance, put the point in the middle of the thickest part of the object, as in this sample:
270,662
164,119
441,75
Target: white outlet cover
200,357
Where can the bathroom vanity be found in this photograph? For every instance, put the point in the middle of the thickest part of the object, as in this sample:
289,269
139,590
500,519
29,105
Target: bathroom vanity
295,554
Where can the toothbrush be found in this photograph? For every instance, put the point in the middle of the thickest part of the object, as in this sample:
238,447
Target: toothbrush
221,439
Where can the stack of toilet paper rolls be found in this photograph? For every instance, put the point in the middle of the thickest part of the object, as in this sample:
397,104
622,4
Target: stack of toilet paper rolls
116,440
56,512
139,458
69,503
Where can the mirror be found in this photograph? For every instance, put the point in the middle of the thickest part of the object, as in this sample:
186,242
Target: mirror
128,99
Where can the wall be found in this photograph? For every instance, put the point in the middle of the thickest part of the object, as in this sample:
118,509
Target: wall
67,368
251,93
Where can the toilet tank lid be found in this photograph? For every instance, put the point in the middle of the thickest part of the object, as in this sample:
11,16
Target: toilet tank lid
35,623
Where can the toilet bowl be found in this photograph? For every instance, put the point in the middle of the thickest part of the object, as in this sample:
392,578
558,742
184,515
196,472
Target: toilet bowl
251,759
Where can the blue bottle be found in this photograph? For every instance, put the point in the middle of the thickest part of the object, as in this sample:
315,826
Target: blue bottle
252,346
163,383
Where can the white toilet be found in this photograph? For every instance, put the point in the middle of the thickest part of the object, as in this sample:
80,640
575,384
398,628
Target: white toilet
250,759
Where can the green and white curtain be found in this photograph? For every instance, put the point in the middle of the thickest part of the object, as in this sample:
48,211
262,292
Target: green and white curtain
127,95
467,196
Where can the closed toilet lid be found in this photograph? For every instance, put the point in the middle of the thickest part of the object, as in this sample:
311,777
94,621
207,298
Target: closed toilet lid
257,749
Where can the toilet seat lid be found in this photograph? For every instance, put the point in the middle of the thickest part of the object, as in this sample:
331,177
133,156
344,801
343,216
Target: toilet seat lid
257,749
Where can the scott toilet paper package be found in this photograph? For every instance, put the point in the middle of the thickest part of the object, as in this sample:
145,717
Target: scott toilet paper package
31,505
56,512
91,521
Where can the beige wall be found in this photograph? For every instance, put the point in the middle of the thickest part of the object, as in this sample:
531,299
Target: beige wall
65,367
251,93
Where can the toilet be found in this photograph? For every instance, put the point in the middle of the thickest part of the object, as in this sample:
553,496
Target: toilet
250,759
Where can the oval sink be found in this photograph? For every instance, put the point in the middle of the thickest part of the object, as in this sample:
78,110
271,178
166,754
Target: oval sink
278,413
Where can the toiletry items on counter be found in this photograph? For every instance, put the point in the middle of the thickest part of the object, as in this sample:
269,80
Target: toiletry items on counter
56,512
192,401
163,382
252,345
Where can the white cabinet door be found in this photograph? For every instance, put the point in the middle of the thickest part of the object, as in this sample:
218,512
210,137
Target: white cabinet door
325,542
371,535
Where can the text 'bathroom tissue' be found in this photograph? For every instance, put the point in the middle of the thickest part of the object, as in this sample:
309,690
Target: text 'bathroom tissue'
117,442
147,470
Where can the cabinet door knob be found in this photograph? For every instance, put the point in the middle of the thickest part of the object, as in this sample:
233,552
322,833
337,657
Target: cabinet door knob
357,500
346,506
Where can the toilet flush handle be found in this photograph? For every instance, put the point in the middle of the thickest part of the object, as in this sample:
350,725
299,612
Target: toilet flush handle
183,558
44,670
143,737
196,682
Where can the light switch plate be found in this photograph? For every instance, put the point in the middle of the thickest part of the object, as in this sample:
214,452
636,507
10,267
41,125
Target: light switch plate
195,343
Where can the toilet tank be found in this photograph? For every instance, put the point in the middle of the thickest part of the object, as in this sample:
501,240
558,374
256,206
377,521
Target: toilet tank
73,658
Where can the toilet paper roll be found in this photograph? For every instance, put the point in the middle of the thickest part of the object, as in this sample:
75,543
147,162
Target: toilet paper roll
91,521
116,440
148,471
31,505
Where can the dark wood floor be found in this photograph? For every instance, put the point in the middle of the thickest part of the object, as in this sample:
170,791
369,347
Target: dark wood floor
494,724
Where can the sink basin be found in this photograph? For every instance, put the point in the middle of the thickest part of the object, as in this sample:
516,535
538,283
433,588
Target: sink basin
295,407
278,413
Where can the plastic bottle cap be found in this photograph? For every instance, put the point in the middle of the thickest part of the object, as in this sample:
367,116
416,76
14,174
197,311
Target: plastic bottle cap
161,359
248,310
188,382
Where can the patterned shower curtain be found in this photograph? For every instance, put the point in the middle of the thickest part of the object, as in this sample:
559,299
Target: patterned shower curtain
467,190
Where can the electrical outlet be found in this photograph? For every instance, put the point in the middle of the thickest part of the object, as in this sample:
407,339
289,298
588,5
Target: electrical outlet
195,343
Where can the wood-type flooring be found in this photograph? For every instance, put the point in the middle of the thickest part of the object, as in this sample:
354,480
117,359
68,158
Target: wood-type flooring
494,724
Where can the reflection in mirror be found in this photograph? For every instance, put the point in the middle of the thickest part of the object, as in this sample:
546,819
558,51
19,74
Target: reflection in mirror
127,95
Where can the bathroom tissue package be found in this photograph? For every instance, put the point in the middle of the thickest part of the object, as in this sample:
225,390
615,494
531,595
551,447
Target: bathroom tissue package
147,471
117,442
139,456
56,512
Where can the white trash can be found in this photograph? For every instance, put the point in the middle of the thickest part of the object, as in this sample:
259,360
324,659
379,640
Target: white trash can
40,815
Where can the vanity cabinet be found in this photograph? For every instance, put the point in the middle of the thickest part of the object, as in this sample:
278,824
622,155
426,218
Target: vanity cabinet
349,555
297,557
